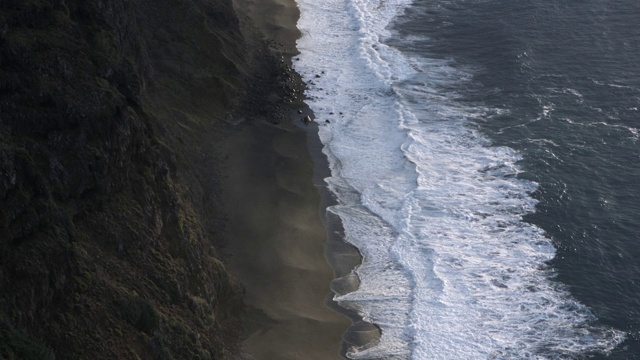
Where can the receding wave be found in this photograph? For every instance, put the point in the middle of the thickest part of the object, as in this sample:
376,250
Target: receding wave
450,269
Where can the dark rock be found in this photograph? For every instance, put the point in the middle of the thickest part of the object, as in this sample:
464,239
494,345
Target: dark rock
103,226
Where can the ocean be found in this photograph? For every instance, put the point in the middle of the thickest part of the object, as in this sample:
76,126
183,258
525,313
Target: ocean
485,160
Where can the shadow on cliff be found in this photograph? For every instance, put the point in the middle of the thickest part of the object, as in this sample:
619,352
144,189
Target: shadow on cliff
109,233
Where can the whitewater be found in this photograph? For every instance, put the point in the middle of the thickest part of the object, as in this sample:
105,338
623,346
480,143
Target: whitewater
450,270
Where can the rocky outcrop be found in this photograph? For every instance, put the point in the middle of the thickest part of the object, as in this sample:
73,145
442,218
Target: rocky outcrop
108,230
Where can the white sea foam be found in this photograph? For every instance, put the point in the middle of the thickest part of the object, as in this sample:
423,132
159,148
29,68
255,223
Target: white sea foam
450,269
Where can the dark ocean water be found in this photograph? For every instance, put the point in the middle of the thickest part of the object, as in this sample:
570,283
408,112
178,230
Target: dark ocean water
484,156
560,83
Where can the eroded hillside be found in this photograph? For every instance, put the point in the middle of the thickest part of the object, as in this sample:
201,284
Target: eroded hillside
109,229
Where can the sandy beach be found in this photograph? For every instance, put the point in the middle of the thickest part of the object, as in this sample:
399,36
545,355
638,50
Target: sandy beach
276,231
278,247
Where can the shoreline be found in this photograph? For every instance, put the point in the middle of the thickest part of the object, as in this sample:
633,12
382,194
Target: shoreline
306,320
343,257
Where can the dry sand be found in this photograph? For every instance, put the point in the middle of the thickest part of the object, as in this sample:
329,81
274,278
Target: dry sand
278,247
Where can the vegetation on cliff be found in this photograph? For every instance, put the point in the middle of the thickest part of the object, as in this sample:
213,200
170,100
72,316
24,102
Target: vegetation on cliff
106,113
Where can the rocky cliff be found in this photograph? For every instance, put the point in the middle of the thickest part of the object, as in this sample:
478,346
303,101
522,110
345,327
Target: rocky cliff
109,226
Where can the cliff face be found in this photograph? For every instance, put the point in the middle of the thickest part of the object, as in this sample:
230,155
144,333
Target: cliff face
105,107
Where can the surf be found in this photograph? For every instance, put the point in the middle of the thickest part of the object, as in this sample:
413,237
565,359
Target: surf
450,269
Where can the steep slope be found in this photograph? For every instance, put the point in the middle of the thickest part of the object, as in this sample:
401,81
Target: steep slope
109,231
